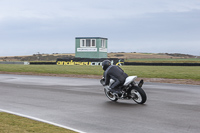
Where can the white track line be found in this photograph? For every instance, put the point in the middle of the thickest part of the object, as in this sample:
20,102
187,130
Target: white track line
41,120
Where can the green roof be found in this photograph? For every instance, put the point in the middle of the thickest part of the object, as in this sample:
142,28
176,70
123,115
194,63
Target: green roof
91,38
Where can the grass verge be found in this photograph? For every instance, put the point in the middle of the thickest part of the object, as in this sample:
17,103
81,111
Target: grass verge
16,124
170,72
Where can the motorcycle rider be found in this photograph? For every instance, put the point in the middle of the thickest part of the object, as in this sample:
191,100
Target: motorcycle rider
116,73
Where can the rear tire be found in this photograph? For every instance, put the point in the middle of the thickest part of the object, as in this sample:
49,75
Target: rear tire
138,95
110,96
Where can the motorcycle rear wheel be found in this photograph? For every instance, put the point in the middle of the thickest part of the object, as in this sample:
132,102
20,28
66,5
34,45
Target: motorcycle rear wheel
138,95
110,96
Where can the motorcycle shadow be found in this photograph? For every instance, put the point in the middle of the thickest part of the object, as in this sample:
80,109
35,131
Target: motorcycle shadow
124,104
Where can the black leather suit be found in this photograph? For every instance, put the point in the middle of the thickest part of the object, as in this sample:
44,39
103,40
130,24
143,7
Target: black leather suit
115,73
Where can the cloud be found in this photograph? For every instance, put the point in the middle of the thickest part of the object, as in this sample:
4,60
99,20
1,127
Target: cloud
47,25
99,9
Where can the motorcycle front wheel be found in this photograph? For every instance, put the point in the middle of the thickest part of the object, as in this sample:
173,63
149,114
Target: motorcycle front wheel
110,96
138,95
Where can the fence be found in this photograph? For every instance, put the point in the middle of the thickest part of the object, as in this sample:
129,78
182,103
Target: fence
86,61
161,64
13,62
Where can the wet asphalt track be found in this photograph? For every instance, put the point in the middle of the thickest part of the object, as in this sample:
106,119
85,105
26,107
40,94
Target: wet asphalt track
81,104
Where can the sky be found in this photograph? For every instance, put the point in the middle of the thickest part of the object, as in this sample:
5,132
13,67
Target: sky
148,26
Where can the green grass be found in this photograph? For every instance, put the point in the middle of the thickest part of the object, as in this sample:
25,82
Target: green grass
53,69
189,60
15,124
171,72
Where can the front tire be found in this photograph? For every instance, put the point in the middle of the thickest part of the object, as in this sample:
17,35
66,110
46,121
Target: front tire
138,95
110,96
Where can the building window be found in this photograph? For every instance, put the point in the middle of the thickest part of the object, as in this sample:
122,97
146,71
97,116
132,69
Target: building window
103,43
88,43
93,43
82,43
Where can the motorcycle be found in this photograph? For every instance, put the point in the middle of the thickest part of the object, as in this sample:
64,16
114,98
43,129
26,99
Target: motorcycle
129,90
